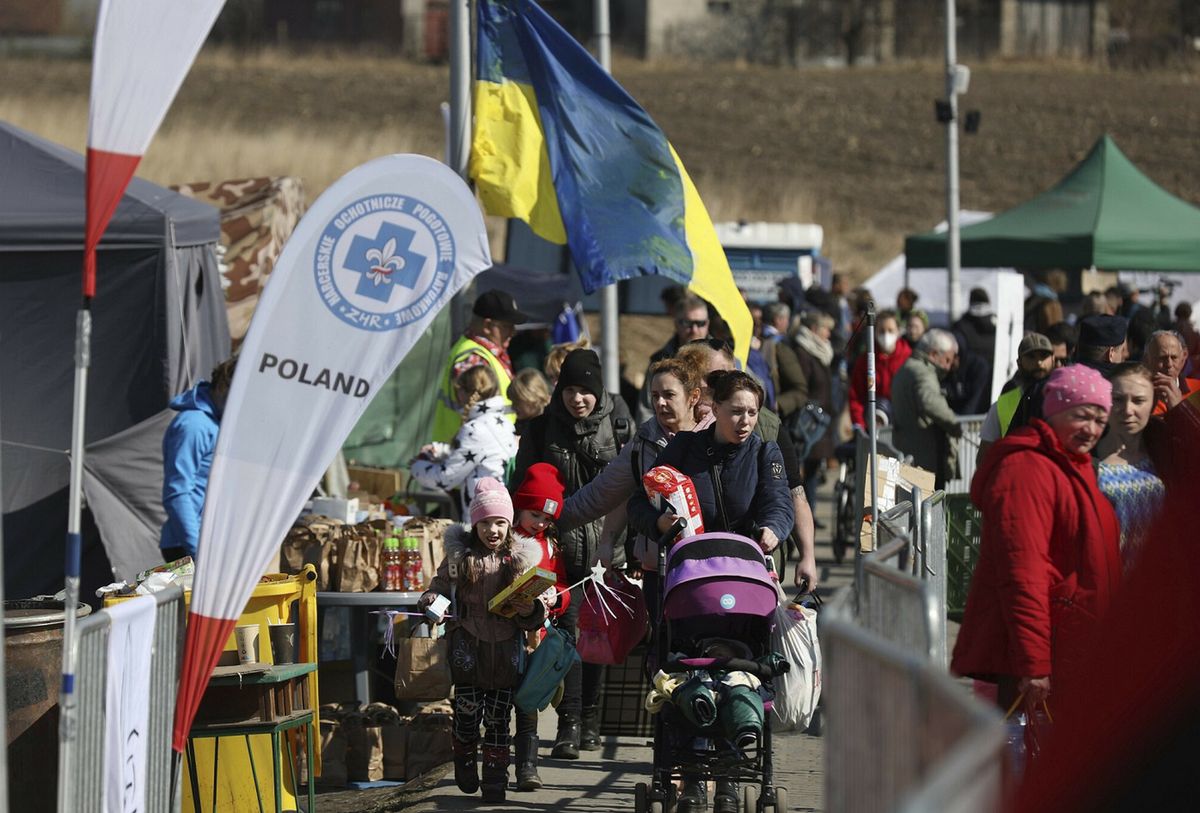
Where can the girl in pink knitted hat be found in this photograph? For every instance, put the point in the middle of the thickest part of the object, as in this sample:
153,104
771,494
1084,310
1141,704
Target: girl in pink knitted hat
487,650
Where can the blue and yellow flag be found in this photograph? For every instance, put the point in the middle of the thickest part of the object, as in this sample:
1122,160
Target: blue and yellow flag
560,145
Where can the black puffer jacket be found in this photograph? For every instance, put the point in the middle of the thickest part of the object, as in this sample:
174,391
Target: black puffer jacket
579,449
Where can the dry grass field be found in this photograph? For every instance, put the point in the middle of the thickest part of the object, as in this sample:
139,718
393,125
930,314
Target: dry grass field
855,150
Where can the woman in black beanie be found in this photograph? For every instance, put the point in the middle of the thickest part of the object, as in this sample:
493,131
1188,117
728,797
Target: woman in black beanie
581,430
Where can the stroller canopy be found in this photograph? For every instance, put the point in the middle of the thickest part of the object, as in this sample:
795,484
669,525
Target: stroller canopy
718,574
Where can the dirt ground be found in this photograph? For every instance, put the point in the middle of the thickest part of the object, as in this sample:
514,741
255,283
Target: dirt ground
857,151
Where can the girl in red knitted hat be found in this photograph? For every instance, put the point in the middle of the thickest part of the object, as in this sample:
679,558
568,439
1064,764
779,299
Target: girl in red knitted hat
538,503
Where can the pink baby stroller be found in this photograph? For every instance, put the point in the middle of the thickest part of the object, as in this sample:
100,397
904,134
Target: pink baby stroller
713,634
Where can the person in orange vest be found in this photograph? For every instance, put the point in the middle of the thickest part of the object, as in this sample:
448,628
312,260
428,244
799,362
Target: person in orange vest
494,320
1166,356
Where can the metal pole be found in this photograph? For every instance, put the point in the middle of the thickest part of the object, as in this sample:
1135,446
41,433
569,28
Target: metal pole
3,673
610,351
460,85
68,711
872,430
952,239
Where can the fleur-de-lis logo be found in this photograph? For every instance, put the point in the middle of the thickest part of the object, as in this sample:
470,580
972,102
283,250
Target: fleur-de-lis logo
383,262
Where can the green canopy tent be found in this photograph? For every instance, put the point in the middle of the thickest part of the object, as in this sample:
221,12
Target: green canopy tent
1105,214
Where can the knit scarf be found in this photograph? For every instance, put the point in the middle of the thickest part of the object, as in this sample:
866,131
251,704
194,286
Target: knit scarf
820,349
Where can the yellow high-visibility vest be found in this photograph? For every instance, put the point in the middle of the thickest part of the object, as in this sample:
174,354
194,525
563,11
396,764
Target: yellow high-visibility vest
1006,408
447,417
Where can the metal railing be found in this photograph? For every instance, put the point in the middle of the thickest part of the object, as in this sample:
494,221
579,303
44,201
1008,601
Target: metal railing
968,451
84,791
900,734
893,603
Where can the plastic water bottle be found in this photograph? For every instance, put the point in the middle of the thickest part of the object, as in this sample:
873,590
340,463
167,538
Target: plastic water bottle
1016,744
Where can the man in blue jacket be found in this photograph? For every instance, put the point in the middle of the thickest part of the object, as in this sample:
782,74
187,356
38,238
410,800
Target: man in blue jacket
188,447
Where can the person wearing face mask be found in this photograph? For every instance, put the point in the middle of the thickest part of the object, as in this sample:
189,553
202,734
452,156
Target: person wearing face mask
580,433
1127,475
891,351
1049,564
925,425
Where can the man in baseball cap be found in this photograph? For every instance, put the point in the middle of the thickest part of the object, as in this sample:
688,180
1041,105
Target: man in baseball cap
1019,397
494,320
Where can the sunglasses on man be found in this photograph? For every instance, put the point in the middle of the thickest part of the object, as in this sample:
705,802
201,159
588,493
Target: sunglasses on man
693,323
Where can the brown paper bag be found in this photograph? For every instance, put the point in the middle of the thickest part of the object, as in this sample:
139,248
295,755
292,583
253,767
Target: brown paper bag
431,534
422,669
364,748
359,554
395,749
430,743
306,543
333,753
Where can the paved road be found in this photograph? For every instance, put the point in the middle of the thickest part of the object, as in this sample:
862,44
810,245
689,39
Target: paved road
604,780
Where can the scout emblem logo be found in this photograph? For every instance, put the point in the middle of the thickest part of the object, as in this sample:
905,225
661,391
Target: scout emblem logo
383,262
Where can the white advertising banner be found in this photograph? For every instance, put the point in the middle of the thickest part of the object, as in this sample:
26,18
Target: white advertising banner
359,282
1010,327
127,704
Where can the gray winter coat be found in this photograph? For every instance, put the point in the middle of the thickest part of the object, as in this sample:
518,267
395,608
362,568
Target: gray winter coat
607,494
925,426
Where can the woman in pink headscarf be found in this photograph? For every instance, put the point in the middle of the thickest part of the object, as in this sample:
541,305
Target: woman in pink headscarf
1049,562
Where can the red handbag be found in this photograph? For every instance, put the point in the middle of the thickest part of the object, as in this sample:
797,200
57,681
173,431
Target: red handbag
612,620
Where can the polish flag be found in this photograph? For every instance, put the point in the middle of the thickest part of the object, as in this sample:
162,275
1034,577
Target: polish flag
142,52
327,333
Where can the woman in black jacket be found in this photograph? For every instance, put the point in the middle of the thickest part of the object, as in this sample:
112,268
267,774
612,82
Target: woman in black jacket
742,488
739,478
580,432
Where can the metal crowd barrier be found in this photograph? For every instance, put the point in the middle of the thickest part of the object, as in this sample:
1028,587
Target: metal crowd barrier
83,791
968,450
900,734
894,604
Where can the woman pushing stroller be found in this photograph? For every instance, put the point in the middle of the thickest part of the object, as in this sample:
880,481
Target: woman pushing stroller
741,488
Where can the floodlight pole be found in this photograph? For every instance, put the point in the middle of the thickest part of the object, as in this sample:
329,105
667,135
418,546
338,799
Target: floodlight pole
610,352
953,256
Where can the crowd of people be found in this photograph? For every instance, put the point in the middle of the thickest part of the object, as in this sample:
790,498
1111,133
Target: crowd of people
1075,459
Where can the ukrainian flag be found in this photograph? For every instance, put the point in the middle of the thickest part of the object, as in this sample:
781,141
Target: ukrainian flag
560,145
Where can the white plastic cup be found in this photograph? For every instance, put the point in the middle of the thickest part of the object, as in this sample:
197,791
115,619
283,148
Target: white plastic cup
247,643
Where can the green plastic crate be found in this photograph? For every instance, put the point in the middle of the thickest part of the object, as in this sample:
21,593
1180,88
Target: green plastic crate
963,526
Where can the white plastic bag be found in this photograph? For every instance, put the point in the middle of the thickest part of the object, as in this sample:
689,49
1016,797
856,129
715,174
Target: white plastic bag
798,690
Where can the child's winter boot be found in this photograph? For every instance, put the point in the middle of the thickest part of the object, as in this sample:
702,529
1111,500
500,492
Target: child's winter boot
466,772
495,773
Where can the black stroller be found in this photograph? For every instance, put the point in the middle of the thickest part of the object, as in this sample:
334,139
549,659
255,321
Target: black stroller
713,636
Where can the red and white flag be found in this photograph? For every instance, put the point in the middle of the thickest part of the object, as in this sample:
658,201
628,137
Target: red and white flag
359,282
142,52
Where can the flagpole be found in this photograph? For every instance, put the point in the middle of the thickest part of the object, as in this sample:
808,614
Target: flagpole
460,85
67,724
610,351
953,254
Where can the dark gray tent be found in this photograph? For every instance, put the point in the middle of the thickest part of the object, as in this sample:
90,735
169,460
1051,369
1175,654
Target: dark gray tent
158,327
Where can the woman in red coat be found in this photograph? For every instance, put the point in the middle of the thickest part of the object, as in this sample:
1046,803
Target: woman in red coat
1049,562
891,351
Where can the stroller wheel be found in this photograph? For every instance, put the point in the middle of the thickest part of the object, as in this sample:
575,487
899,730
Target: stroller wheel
641,796
780,800
657,807
750,798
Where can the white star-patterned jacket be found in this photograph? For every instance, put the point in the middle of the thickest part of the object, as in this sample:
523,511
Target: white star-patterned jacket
482,448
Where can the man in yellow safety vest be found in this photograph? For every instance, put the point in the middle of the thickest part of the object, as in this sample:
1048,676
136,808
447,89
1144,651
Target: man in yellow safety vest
493,322
1035,362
